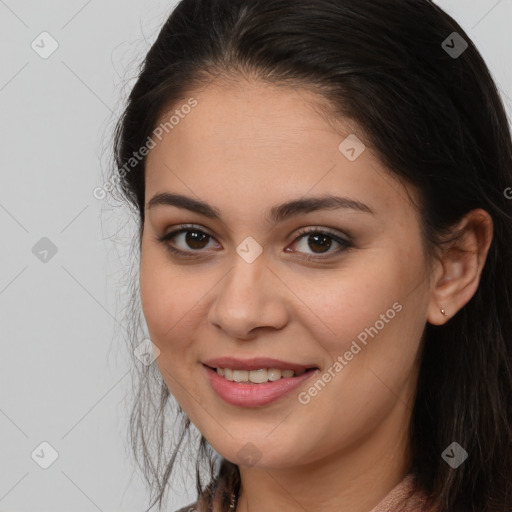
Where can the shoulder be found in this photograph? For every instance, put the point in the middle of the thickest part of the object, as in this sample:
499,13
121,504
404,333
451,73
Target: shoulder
189,508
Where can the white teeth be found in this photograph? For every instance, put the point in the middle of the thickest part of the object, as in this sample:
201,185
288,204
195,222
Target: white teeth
240,375
257,376
274,374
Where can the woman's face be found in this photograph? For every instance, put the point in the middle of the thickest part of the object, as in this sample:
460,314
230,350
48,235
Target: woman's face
251,285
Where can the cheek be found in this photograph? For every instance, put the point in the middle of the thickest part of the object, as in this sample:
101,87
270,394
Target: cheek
151,288
173,304
370,316
374,327
161,305
346,303
169,310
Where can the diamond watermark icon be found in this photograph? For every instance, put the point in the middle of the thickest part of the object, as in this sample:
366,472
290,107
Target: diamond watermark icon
352,147
249,454
44,455
249,249
44,250
454,455
454,45
44,45
146,352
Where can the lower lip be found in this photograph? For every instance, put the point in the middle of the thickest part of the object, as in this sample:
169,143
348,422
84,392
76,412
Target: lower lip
253,395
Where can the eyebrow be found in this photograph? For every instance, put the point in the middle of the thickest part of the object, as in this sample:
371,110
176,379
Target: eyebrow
277,213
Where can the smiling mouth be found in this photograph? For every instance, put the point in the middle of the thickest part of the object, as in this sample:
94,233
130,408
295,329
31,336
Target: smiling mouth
260,376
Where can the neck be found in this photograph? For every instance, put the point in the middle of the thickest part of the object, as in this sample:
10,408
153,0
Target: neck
354,479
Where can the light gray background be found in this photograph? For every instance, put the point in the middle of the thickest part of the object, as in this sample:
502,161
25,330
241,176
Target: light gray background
63,365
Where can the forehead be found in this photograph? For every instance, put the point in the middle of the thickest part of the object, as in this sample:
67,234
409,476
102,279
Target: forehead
255,115
248,140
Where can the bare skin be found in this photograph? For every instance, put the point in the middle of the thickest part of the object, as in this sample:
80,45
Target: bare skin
244,149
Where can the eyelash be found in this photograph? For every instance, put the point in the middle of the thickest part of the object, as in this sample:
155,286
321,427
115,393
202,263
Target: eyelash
345,244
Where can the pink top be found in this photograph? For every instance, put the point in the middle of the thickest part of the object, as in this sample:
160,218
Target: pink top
404,497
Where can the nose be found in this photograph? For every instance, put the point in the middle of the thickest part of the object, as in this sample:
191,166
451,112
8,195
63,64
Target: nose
250,297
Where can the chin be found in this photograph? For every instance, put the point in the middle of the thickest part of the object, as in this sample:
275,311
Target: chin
260,452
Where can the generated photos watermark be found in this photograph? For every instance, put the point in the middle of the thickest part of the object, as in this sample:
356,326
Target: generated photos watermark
179,114
304,397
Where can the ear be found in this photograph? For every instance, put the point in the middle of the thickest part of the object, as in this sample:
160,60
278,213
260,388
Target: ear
459,267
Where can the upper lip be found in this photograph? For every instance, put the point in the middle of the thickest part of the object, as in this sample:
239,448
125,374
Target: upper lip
255,363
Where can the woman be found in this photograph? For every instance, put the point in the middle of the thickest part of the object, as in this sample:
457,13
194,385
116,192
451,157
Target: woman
325,244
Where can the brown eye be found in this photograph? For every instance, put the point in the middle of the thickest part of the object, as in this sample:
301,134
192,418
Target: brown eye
185,241
319,242
196,239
